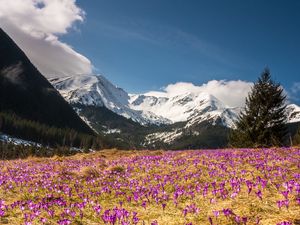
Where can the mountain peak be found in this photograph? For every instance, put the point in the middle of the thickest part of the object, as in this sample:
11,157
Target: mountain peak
96,90
293,112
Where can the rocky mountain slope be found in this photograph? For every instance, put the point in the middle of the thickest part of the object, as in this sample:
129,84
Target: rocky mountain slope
96,90
92,90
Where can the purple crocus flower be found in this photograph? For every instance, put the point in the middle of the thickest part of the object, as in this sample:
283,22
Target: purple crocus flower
259,194
64,222
227,212
284,223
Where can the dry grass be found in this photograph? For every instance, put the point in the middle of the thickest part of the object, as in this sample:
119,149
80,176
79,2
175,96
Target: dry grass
116,169
89,172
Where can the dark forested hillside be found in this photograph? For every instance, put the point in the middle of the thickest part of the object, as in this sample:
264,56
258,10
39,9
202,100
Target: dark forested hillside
25,92
46,135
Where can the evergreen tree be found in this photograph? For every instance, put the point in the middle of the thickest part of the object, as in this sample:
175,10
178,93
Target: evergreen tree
262,122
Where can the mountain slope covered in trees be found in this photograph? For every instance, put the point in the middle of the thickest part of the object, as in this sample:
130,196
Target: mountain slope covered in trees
28,94
30,107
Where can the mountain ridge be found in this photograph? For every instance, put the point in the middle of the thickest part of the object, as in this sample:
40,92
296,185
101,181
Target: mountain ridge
96,90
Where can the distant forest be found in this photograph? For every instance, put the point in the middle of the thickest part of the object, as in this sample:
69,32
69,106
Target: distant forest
50,136
55,141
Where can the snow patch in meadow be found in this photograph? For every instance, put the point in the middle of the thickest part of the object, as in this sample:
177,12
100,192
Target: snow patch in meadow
17,141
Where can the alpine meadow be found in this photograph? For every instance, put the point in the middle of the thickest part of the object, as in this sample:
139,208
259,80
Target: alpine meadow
149,112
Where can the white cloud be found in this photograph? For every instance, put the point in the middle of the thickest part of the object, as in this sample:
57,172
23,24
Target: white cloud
231,93
35,25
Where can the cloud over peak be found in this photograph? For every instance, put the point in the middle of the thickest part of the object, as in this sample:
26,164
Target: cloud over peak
35,25
231,93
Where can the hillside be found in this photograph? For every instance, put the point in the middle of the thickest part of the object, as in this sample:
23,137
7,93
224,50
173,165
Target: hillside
24,91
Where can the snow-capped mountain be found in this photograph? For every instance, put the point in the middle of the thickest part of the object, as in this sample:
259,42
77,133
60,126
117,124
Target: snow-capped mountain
191,107
293,112
190,117
96,90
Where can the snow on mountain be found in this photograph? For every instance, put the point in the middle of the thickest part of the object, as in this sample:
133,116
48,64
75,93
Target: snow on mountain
191,107
152,108
18,141
223,116
293,112
96,90
91,90
112,131
166,137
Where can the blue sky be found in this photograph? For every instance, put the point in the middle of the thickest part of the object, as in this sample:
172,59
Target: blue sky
143,45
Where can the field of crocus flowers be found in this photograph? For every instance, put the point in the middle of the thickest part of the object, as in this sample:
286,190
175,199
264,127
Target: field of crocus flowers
230,186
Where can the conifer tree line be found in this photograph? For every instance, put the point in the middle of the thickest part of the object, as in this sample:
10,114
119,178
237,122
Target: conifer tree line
12,151
47,136
54,141
262,122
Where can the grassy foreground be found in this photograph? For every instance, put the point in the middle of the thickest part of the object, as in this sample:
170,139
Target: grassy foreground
230,186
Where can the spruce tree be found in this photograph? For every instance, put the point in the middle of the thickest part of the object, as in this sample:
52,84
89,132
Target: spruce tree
262,122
